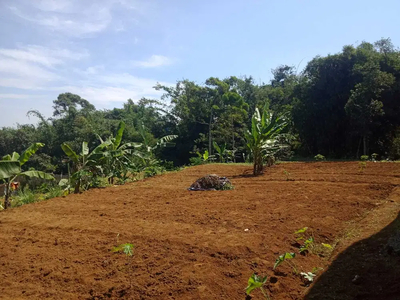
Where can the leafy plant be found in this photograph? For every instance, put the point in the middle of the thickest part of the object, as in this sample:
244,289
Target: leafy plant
86,164
307,243
286,257
319,157
287,175
261,138
221,151
362,165
25,196
11,168
127,249
256,282
364,157
309,276
374,156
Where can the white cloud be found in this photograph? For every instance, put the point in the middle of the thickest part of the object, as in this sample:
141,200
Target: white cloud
45,56
153,62
71,17
32,67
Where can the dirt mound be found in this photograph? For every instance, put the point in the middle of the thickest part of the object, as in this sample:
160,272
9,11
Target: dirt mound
191,245
211,182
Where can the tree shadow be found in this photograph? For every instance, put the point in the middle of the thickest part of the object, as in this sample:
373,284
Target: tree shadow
368,269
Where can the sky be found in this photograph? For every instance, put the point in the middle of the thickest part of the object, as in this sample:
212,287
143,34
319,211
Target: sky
108,51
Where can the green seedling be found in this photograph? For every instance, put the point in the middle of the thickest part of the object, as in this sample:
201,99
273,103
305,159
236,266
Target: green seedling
256,282
127,249
300,233
362,166
307,244
286,257
319,157
287,175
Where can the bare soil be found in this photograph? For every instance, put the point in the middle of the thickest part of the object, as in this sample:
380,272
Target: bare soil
206,244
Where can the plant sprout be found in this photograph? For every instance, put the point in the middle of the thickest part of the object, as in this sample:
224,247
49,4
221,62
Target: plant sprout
285,257
255,282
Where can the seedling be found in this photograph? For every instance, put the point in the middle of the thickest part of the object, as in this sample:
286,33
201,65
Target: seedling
309,276
362,165
287,174
364,157
127,249
306,245
319,157
256,282
286,257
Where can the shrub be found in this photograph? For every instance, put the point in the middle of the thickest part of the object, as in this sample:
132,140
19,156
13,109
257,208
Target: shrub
364,157
25,196
319,157
195,161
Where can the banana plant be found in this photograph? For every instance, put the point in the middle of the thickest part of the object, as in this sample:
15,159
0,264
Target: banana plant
11,168
261,138
147,156
85,164
117,161
221,151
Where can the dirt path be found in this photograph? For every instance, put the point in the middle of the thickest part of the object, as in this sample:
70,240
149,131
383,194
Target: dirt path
189,245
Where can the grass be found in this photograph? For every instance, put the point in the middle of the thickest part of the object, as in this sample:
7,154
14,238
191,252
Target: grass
24,196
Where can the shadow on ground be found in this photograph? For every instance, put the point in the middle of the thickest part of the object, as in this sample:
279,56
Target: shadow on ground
368,269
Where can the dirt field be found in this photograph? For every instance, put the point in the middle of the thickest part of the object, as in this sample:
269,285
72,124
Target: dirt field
205,245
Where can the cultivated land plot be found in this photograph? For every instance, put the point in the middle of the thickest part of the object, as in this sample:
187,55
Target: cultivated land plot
193,245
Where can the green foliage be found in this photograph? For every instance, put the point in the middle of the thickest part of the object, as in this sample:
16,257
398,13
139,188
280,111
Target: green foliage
364,157
287,175
262,136
319,157
24,196
284,257
127,249
196,161
307,243
256,282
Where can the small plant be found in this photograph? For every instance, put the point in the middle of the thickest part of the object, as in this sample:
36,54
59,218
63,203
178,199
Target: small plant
362,165
127,249
287,175
24,196
256,282
54,192
319,157
307,243
286,257
364,157
310,245
374,156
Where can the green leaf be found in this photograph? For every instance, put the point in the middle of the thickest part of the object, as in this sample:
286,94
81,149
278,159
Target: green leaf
38,174
70,153
125,248
29,152
85,148
327,246
283,257
255,282
118,136
9,168
302,230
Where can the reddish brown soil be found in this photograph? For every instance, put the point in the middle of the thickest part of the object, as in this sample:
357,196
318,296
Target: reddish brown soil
195,245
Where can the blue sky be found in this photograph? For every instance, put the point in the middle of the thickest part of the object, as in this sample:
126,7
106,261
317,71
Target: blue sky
107,51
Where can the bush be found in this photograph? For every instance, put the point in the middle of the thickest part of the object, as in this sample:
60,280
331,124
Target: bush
195,161
24,196
319,157
364,157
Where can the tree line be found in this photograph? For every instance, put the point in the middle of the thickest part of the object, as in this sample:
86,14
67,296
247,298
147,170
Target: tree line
342,105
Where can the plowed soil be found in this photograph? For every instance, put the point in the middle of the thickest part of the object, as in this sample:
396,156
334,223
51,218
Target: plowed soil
205,245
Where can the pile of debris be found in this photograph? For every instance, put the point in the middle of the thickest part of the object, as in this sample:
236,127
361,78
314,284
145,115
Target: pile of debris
211,182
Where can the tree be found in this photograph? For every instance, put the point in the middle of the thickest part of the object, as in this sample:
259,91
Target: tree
10,169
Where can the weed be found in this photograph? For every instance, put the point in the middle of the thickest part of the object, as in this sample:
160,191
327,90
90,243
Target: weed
54,192
310,245
255,282
286,257
319,157
364,157
287,175
24,196
362,166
